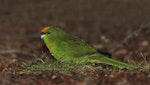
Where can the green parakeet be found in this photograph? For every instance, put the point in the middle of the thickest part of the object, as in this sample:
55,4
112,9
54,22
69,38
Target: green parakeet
67,48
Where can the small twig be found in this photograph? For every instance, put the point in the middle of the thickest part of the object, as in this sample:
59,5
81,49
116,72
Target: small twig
20,37
16,51
143,30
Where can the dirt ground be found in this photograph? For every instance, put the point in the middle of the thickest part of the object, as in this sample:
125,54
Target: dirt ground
120,27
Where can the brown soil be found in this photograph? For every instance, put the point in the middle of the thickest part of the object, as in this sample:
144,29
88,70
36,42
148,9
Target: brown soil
120,27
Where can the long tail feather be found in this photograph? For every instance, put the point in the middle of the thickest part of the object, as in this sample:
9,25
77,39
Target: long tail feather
98,58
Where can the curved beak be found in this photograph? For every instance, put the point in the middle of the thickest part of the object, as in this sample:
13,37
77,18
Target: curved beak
42,36
43,32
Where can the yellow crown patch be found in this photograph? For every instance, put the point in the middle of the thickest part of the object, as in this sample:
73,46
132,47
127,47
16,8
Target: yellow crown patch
45,29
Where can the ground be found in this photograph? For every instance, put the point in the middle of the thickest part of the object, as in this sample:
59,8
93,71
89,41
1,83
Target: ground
119,27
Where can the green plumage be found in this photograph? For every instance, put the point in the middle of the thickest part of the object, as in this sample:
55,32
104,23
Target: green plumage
70,49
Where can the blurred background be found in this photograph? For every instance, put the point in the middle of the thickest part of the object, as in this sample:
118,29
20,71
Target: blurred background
106,24
119,27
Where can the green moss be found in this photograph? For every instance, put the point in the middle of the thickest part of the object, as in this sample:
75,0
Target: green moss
69,68
60,67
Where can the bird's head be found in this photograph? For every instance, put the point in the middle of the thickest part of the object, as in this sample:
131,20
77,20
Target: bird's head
51,31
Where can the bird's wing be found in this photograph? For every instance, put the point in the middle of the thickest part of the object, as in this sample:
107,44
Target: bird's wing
76,47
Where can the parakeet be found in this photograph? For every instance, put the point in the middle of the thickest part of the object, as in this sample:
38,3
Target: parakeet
67,48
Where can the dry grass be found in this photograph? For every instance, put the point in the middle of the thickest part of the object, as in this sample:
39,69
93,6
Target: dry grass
21,22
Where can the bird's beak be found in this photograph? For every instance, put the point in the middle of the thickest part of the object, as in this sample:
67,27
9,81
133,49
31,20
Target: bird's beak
43,32
42,36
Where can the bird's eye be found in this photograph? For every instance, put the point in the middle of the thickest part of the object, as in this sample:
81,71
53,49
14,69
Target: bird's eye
48,32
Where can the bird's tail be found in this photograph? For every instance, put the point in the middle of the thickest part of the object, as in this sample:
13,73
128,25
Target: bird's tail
98,58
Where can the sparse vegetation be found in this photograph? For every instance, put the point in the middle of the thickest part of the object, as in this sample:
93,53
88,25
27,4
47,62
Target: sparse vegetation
122,23
69,68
